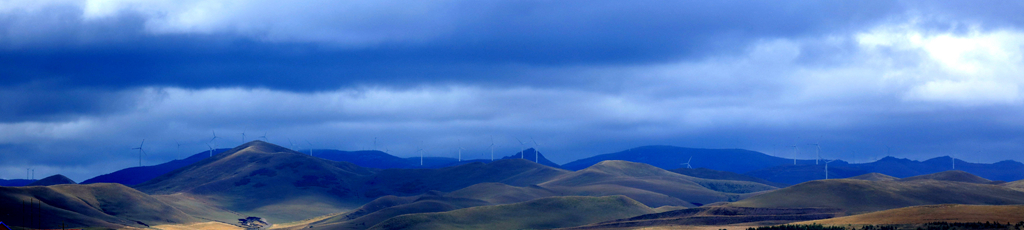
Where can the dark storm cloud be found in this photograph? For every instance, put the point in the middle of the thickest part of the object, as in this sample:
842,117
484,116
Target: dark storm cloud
81,84
487,42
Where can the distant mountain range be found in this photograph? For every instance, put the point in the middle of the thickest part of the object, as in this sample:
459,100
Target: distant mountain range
775,170
282,186
137,175
251,178
15,182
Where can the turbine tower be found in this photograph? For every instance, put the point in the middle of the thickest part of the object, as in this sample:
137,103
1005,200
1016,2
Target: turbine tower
211,149
522,149
688,163
140,151
492,148
953,157
310,148
796,151
460,150
213,140
817,153
536,153
420,150
265,137
826,168
179,148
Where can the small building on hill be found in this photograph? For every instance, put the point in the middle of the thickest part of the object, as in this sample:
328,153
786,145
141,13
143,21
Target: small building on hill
254,223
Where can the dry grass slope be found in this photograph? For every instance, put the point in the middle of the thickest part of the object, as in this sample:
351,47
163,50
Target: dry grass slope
933,213
875,177
554,212
860,196
93,205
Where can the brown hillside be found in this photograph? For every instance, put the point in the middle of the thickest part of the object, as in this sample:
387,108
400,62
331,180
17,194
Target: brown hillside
553,212
860,196
93,205
719,215
253,179
650,185
933,213
952,175
875,177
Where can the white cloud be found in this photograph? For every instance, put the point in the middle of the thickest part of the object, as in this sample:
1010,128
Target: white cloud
978,67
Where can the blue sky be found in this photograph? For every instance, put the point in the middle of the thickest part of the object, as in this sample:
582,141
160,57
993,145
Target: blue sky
85,81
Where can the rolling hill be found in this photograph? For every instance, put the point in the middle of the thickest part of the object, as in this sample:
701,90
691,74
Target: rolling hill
94,205
53,180
554,212
933,213
137,175
251,179
365,158
386,207
952,175
16,182
875,177
650,185
860,196
671,157
531,154
723,175
716,216
795,174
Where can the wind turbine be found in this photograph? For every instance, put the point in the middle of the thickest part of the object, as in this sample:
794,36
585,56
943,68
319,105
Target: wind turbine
522,149
460,150
291,144
420,150
243,136
826,168
688,163
310,148
140,151
211,149
213,140
536,153
817,153
796,150
179,148
953,157
492,148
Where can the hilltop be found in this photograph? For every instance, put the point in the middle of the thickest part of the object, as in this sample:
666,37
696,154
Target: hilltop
650,185
251,178
671,157
52,180
860,196
136,175
875,177
531,154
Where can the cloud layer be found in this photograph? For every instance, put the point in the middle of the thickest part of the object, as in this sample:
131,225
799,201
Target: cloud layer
84,81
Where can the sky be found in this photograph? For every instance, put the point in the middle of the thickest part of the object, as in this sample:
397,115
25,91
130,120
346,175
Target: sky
82,82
